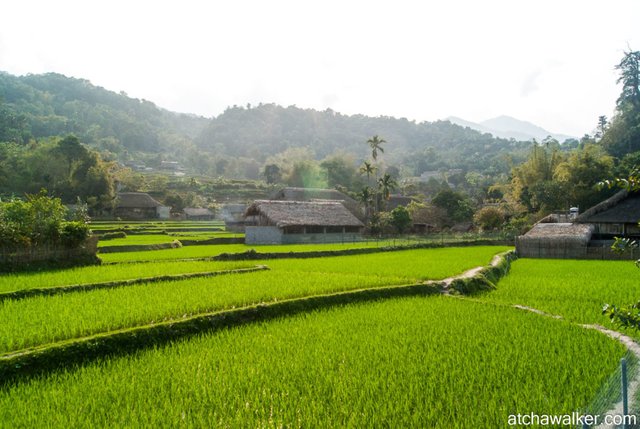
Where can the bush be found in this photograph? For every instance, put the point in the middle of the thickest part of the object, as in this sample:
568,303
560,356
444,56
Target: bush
38,222
74,233
489,218
112,235
400,219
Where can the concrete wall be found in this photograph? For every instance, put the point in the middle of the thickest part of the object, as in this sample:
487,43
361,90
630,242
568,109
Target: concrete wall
262,235
321,238
164,212
273,235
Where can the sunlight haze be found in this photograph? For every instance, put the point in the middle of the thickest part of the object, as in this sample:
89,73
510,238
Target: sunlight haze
547,62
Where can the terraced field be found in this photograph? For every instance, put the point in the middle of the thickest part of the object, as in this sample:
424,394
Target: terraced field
46,319
419,362
575,290
324,341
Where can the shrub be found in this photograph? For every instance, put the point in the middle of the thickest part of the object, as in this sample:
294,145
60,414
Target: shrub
489,218
74,233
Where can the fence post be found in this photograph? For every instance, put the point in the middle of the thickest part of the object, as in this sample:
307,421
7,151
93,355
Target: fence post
625,399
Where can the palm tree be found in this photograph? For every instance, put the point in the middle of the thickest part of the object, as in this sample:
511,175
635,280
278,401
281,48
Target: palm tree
368,169
386,184
375,143
365,197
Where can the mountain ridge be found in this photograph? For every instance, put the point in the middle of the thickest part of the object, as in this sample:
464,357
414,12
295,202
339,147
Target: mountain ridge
508,127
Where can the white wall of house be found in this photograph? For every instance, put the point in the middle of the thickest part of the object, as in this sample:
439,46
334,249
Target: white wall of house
164,212
262,235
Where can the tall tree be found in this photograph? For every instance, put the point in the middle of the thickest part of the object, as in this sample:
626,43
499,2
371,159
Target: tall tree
365,196
623,134
272,174
629,69
375,143
602,127
387,184
368,169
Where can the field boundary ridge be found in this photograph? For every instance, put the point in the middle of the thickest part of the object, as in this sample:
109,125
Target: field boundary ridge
252,254
56,290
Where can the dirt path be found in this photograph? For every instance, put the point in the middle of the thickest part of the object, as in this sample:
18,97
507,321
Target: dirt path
446,283
633,386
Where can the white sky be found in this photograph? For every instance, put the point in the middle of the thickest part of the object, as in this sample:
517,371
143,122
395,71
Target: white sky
550,62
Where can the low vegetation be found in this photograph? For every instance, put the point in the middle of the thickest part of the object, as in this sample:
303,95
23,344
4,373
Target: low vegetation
41,320
424,367
109,273
575,290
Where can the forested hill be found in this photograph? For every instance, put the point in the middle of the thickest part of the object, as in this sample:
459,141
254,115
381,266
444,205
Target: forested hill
268,129
35,106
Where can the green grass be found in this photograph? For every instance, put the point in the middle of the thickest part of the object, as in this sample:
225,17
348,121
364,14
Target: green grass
108,273
140,239
422,362
573,289
437,263
40,320
154,224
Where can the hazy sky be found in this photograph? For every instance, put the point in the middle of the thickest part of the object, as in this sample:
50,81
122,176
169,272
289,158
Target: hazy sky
550,62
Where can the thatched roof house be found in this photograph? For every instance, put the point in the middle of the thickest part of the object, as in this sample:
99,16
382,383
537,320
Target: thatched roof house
317,194
139,205
615,216
555,240
193,213
300,221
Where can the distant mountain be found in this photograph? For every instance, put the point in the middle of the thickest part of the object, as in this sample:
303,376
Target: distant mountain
509,128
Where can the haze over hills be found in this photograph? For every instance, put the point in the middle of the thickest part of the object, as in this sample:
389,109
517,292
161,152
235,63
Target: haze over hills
509,128
239,141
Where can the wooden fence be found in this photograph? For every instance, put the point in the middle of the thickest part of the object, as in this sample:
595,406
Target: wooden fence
12,259
569,249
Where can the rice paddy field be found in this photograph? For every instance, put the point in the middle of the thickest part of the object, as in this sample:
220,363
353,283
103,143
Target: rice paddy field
421,362
45,319
415,361
575,290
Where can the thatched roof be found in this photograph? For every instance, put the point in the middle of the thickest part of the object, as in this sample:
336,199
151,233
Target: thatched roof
554,232
135,200
309,194
193,211
303,213
623,207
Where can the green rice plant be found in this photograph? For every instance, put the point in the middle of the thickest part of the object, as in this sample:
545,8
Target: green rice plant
210,250
573,289
47,319
41,320
107,273
420,264
432,362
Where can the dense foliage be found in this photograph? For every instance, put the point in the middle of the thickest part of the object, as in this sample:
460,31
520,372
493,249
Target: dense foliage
66,167
36,106
38,221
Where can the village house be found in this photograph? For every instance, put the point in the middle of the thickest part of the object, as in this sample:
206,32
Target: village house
318,194
284,222
589,235
615,216
192,213
138,206
233,216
